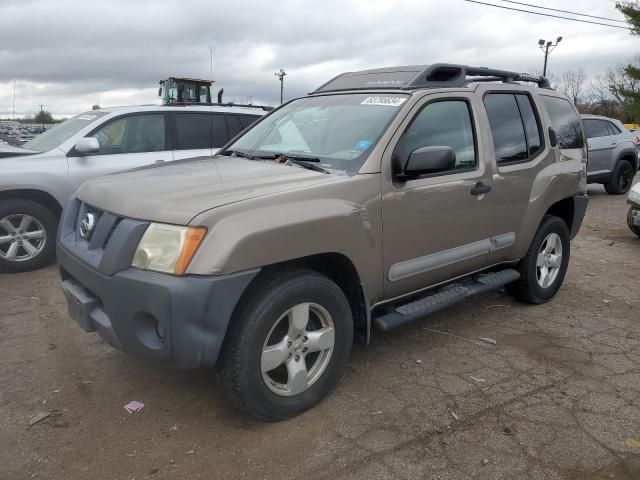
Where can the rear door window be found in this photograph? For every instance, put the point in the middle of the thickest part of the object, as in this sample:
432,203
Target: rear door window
565,122
193,131
233,124
595,128
246,120
219,130
507,129
613,129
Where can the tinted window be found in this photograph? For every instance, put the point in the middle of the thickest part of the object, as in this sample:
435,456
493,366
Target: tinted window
220,135
193,130
530,123
246,120
132,134
565,122
507,130
233,124
446,123
595,128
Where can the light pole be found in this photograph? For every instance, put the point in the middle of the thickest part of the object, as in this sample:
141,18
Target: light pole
547,48
280,76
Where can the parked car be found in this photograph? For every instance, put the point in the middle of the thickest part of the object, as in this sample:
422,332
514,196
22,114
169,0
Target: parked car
381,197
633,217
613,153
39,179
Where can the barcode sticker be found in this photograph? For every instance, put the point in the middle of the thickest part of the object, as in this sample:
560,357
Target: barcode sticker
385,101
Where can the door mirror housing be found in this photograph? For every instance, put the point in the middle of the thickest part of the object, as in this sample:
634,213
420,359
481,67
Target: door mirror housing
553,138
87,146
425,160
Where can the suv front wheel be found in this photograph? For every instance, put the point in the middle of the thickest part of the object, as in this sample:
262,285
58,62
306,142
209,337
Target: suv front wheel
543,269
287,345
27,235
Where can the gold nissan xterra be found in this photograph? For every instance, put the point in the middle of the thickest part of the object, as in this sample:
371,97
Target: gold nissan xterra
382,196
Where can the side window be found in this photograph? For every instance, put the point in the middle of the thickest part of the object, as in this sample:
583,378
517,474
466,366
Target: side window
246,120
595,128
193,131
443,123
509,140
132,134
233,124
565,122
531,126
613,129
219,129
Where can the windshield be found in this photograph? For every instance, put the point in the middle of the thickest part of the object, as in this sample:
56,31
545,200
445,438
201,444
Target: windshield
339,130
63,131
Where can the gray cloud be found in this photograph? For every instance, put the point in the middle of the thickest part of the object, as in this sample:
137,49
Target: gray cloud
67,54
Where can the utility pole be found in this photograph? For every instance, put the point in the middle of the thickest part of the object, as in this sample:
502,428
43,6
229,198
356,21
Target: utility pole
280,76
547,48
42,117
13,114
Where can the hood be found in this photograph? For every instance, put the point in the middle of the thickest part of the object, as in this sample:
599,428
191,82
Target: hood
11,151
175,192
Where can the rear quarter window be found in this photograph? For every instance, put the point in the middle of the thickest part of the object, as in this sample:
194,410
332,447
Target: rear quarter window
564,121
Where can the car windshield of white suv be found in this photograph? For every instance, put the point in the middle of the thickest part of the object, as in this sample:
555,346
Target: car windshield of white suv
335,131
63,131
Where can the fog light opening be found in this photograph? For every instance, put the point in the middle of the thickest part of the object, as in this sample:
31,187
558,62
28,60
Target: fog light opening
149,330
160,330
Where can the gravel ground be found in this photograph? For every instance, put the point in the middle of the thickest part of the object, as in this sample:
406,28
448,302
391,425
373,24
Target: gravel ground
557,396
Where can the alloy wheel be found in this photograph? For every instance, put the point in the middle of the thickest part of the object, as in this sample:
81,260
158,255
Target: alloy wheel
297,349
22,237
549,260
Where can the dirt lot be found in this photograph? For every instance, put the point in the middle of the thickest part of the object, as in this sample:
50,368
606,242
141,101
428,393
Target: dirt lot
557,397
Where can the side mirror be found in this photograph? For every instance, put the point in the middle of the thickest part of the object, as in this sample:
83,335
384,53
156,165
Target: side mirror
87,146
553,138
425,160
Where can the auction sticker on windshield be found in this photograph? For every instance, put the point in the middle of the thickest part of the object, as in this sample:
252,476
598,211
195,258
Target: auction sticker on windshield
385,101
86,117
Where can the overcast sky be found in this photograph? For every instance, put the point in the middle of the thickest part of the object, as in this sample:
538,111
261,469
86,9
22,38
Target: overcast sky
70,54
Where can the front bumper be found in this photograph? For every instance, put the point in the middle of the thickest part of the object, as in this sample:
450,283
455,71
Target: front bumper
181,321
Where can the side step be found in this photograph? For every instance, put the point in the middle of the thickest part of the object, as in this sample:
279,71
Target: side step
443,298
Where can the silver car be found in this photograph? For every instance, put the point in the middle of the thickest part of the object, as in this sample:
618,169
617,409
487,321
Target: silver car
37,181
613,153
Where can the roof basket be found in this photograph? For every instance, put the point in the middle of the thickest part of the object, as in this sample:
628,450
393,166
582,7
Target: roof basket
413,77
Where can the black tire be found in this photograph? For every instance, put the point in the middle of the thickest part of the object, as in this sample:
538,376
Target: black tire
621,179
527,288
634,228
269,297
47,251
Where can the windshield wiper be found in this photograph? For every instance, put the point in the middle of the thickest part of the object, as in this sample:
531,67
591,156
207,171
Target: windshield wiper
300,160
237,153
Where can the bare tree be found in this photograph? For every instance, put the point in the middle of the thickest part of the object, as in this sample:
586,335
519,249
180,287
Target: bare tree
573,83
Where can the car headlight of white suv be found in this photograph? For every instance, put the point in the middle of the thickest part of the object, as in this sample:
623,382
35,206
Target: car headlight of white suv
167,248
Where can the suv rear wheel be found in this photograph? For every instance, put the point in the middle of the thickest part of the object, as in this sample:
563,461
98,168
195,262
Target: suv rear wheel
543,269
288,345
621,179
27,235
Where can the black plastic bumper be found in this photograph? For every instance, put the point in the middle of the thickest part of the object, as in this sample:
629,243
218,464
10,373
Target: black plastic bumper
176,320
580,203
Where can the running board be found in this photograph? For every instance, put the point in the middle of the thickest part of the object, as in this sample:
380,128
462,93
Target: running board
443,298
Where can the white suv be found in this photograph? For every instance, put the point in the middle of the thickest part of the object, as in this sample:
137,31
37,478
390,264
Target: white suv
36,183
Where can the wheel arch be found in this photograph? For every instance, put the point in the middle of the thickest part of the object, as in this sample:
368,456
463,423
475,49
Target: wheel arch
339,269
631,157
40,196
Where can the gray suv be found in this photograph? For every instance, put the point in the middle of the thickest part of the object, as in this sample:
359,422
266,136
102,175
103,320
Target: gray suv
38,180
613,153
381,197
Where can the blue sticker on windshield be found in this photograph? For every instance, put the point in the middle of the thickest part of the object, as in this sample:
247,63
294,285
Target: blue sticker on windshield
363,145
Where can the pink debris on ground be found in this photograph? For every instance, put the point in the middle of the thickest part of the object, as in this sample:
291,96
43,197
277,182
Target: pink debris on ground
134,406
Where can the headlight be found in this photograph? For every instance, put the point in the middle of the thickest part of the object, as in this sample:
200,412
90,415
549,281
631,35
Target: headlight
167,248
634,194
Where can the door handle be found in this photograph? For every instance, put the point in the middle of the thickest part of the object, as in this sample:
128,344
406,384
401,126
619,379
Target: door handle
480,189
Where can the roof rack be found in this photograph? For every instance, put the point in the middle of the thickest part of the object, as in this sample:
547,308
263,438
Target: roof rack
414,77
266,108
